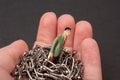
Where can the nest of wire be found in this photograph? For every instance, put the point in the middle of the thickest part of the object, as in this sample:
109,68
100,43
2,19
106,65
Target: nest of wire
34,65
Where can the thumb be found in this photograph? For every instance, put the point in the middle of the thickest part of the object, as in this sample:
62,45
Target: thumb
9,55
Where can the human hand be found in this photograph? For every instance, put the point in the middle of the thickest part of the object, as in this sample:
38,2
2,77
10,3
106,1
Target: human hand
49,27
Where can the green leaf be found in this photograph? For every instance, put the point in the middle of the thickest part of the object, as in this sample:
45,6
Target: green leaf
59,46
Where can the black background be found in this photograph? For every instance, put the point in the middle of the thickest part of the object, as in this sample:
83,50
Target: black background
19,19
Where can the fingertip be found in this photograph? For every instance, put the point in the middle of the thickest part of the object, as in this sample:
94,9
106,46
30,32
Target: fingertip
84,27
66,20
50,12
20,43
47,28
83,22
86,44
90,51
48,18
91,59
66,16
89,42
11,53
47,13
83,30
16,49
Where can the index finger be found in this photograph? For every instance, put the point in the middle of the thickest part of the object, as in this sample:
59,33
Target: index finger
47,29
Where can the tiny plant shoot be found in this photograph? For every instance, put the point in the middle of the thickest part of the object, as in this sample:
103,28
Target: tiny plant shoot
58,44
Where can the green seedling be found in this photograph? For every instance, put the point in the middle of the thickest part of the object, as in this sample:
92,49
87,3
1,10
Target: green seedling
58,44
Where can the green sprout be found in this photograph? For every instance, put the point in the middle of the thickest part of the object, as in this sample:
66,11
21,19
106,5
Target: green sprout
58,44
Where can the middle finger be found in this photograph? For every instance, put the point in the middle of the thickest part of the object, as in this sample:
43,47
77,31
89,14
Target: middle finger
64,21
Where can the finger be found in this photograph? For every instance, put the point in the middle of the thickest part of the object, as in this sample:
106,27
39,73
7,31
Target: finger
47,29
9,55
91,60
83,30
64,21
4,75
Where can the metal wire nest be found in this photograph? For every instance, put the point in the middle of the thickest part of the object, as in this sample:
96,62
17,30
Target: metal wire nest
34,65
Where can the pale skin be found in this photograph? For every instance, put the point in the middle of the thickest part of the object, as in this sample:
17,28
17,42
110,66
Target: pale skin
80,39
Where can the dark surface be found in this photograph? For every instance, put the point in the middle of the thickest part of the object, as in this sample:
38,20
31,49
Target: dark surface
19,19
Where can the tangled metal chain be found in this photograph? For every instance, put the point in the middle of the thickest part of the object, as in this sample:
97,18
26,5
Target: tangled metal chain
34,65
